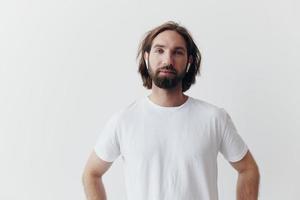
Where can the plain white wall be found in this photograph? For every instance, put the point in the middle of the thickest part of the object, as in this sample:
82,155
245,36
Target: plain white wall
66,66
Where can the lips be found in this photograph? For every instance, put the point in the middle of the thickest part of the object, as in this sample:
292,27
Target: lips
167,71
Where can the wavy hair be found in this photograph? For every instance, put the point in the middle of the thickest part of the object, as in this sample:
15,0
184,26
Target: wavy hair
192,50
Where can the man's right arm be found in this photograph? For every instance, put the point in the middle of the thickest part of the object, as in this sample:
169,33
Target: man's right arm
92,177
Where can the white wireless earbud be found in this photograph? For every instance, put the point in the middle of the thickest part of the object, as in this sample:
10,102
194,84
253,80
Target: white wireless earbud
146,61
188,67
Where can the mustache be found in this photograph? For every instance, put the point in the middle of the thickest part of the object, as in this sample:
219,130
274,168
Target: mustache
168,67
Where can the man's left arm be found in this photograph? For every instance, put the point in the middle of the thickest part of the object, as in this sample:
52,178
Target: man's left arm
248,178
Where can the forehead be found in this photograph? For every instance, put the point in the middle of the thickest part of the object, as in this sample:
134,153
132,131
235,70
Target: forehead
170,39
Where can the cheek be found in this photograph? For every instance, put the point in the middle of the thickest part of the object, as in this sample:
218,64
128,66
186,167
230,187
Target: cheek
154,62
181,63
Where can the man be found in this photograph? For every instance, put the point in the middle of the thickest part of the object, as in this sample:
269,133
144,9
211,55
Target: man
169,141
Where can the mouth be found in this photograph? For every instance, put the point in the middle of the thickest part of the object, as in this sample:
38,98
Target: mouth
167,71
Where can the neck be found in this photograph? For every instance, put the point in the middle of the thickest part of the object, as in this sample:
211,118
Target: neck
167,97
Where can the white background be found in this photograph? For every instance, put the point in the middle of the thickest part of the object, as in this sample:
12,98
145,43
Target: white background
67,66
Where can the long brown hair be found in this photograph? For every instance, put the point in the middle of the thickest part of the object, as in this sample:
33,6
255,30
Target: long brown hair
192,50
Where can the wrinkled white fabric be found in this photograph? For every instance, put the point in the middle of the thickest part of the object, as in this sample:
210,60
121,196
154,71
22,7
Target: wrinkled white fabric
170,153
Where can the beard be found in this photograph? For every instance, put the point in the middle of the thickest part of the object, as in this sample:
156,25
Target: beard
166,82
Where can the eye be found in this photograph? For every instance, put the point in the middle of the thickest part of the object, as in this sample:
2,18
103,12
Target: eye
179,52
159,50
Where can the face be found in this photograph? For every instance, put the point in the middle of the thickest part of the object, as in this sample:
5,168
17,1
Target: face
167,59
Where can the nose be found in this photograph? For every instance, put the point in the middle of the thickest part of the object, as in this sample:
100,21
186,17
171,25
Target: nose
168,59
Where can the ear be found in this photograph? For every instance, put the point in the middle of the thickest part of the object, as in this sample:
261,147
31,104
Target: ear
189,64
190,59
146,55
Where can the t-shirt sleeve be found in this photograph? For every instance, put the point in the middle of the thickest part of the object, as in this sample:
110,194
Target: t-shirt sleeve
107,146
232,145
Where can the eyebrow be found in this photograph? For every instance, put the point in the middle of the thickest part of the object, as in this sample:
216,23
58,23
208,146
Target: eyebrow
163,46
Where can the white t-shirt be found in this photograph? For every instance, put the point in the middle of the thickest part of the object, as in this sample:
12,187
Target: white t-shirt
170,153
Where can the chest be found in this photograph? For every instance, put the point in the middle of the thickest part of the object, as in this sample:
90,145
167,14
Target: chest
168,140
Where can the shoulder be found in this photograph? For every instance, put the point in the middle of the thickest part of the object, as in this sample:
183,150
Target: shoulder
127,111
208,108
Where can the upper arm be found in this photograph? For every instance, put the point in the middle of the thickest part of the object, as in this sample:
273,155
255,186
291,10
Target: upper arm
246,163
231,145
95,166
